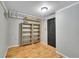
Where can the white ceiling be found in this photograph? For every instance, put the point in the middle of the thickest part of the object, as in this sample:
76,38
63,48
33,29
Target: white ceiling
33,7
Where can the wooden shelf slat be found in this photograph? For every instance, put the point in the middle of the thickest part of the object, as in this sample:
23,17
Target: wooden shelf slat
35,28
26,24
36,35
36,31
36,24
31,20
26,31
26,36
26,27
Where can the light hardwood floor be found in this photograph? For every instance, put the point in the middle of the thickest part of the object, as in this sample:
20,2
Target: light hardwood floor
37,50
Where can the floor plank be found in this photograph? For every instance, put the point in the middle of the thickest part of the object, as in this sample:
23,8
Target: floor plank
38,50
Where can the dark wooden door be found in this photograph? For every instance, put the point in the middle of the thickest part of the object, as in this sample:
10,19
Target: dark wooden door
51,32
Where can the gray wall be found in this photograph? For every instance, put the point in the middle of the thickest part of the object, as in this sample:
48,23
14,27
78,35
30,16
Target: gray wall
3,33
13,32
67,31
44,31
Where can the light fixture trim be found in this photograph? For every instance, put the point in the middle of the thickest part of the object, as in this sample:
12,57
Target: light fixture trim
44,9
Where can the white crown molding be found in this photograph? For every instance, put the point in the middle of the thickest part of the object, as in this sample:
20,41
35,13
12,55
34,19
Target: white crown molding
3,6
67,7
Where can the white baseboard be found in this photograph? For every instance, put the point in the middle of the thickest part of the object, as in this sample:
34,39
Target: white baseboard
10,47
13,46
62,54
5,52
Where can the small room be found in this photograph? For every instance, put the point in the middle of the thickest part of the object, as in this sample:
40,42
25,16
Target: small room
39,29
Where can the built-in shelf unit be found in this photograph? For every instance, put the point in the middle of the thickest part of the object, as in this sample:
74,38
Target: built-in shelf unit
29,32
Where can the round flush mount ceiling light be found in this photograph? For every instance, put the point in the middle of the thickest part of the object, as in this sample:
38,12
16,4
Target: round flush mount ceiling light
44,9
